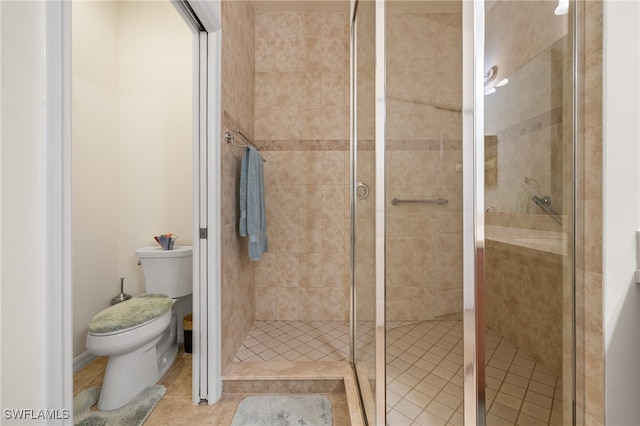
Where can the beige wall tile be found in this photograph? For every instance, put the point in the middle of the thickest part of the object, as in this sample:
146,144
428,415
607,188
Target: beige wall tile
311,205
334,84
282,201
287,270
523,301
309,53
310,87
310,237
333,168
406,303
334,273
333,202
311,266
333,236
310,121
267,308
266,271
590,360
238,98
310,304
288,304
335,304
283,235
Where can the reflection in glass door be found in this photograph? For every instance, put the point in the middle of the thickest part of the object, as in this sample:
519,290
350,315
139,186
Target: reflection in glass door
529,219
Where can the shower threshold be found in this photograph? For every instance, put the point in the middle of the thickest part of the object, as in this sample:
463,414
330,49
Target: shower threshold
297,357
331,378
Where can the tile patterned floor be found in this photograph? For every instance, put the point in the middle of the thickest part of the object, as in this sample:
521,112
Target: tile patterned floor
425,379
295,341
176,408
424,369
424,374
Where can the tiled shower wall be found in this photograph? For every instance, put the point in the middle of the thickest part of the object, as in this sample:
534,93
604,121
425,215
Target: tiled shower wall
526,116
590,343
283,56
237,286
424,129
523,300
301,125
302,84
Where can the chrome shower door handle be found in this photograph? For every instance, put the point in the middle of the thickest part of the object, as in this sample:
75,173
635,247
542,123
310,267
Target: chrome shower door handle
362,191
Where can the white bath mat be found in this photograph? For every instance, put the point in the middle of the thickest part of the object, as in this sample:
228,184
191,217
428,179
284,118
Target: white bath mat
283,410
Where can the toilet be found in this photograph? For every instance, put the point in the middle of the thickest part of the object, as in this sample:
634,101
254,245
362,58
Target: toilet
139,335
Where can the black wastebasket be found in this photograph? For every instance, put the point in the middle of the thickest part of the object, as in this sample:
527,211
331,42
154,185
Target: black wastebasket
187,324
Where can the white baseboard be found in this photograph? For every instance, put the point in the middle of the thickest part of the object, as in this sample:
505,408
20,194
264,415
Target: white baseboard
82,360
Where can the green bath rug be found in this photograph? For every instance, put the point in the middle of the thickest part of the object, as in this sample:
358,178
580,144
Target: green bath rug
132,414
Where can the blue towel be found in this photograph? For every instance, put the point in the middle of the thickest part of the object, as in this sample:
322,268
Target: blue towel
253,215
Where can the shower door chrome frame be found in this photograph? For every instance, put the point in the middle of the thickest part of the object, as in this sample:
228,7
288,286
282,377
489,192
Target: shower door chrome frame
473,209
380,108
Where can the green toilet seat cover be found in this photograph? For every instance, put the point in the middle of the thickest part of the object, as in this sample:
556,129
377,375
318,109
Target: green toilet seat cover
130,313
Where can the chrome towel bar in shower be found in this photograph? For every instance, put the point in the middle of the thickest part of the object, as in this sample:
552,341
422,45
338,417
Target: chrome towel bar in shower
438,201
544,203
231,139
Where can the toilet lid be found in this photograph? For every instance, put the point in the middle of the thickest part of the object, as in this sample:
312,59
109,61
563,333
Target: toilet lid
130,313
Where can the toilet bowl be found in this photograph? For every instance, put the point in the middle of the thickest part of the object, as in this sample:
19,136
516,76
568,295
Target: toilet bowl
140,335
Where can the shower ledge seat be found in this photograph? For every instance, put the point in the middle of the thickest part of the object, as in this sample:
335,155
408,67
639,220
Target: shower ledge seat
547,241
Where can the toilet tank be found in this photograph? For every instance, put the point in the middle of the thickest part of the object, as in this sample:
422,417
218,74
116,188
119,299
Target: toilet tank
167,272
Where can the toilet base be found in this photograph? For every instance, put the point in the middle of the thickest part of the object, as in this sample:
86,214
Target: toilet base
128,374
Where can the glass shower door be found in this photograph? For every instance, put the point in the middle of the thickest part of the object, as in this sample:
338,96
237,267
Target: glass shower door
413,212
424,213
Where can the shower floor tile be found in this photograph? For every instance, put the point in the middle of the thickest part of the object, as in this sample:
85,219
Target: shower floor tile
425,379
295,341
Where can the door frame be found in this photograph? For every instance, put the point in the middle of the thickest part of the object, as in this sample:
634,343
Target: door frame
204,19
56,354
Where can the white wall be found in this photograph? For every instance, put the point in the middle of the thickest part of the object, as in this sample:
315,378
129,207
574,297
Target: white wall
28,278
22,211
132,144
36,299
95,161
155,131
621,210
